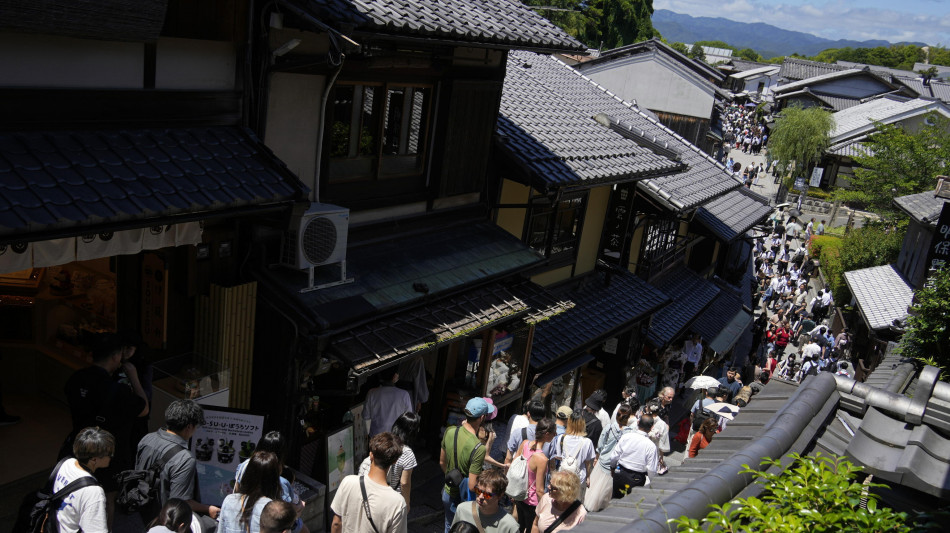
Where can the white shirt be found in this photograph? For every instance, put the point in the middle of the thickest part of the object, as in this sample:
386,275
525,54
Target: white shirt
635,451
660,434
604,418
386,505
83,509
811,349
693,352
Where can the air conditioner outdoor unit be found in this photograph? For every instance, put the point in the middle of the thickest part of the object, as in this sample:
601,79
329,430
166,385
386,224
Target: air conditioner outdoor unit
315,238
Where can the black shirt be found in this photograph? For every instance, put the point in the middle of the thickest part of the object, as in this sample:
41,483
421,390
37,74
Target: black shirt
594,427
96,399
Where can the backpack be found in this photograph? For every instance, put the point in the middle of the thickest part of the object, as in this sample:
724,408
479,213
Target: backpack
138,489
700,416
570,463
38,510
518,475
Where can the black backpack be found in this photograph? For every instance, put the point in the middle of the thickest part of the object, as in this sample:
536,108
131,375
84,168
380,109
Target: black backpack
38,510
701,416
138,489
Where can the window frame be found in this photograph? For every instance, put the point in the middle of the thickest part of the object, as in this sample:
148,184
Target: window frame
552,210
379,115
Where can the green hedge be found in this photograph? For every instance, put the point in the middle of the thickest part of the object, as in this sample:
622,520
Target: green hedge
861,248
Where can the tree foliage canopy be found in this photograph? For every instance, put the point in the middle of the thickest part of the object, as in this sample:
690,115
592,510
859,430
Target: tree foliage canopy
815,493
601,23
800,136
899,162
927,338
696,52
875,244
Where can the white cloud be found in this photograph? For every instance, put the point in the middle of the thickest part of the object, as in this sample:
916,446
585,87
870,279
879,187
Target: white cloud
832,20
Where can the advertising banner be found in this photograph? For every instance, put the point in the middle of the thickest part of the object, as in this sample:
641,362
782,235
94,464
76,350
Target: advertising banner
227,439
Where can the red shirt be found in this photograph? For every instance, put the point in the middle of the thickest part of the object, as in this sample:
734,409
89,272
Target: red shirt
781,337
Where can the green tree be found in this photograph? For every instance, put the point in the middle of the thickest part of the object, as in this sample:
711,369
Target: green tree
815,493
696,52
899,162
927,338
750,54
600,23
800,136
873,245
680,47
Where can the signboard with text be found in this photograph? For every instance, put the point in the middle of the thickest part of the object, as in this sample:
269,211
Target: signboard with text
227,438
939,253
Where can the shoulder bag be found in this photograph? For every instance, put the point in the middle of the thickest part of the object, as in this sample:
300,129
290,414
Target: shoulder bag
567,512
366,509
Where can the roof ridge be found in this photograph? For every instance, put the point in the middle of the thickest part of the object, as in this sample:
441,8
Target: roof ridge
636,108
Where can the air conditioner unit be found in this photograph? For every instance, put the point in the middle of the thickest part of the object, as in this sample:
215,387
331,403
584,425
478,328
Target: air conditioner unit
316,237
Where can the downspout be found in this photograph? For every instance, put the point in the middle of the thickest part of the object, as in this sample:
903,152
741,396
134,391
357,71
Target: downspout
334,47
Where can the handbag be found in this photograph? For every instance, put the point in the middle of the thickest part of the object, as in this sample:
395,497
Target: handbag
567,512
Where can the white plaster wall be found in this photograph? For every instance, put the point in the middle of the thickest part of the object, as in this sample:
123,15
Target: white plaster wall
656,85
51,61
195,64
294,117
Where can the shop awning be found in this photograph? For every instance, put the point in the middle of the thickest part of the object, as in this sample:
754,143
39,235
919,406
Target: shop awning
397,268
882,293
690,293
562,368
58,184
386,341
605,304
732,214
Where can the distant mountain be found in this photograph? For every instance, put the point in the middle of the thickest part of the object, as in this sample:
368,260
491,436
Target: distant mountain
768,40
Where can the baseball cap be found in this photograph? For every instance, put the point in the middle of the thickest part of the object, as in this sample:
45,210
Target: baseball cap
564,412
494,412
478,407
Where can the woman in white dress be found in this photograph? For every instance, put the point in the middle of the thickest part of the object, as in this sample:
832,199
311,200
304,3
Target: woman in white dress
601,482
659,434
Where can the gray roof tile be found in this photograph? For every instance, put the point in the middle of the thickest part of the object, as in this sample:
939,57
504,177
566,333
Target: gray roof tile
701,180
883,295
732,214
922,205
103,174
505,23
794,69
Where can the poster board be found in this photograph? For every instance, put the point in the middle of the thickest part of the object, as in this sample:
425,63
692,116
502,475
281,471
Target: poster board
339,459
226,439
360,434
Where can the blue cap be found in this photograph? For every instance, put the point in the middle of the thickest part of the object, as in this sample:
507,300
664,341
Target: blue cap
478,407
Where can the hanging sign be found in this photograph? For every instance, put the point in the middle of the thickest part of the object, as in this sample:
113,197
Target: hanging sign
939,252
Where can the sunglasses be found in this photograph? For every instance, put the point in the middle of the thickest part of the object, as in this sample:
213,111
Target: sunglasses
487,495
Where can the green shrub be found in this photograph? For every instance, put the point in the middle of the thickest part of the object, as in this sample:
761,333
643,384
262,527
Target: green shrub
815,493
820,243
872,245
928,338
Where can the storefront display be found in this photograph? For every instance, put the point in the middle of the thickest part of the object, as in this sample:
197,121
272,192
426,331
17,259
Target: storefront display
225,440
503,378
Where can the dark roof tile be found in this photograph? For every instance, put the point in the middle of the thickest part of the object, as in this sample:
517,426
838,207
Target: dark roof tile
732,214
599,308
690,293
113,175
503,23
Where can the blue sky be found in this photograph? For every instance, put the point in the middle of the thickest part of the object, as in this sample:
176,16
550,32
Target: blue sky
892,20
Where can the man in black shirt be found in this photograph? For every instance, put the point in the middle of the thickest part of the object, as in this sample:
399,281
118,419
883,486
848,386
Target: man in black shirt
593,404
96,399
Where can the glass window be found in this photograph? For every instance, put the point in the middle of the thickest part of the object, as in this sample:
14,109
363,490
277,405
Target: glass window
554,230
377,131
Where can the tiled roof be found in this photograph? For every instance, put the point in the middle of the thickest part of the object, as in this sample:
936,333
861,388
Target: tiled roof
703,178
506,23
558,143
850,149
818,80
888,72
56,181
603,306
935,89
721,310
742,65
832,103
922,205
882,294
732,214
690,293
652,46
860,119
799,69
404,267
